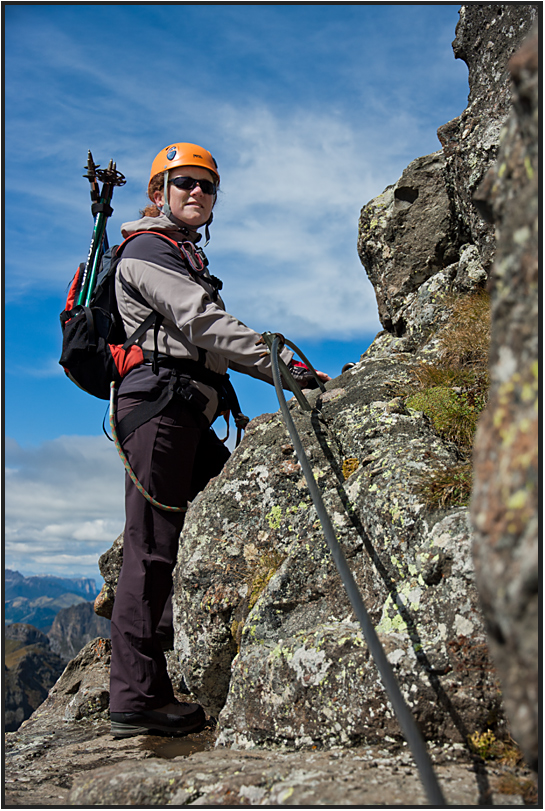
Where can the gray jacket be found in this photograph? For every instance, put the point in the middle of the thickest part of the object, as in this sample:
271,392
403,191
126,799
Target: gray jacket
194,313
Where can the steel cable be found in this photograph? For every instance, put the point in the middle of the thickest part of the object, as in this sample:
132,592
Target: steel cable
387,675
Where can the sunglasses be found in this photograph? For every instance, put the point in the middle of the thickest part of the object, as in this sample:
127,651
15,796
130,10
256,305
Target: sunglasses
189,183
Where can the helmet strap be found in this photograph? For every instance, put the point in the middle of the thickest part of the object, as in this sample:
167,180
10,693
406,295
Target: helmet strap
168,213
206,229
166,207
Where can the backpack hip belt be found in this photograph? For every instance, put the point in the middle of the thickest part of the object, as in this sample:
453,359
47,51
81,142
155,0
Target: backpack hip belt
184,371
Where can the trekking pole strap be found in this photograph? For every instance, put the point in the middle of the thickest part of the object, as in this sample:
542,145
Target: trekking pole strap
402,711
101,208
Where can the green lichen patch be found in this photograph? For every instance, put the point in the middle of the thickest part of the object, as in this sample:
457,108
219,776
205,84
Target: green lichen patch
265,570
257,580
274,517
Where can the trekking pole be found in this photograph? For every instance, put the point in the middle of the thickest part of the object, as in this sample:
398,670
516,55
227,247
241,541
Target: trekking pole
101,209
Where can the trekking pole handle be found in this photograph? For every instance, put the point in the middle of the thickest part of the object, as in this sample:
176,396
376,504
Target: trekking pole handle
91,176
101,209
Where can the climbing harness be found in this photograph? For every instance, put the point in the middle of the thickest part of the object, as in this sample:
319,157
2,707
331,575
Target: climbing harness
402,711
179,385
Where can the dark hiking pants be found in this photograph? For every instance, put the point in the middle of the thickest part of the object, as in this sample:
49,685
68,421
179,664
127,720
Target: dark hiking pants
173,455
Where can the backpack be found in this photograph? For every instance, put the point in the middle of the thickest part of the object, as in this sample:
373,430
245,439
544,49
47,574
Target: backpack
96,351
95,348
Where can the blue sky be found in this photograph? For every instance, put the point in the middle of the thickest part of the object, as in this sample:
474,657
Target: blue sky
311,110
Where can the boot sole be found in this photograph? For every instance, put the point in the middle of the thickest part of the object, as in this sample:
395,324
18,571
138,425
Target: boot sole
126,731
119,730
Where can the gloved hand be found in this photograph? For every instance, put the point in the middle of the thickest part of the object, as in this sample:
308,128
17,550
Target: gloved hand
304,377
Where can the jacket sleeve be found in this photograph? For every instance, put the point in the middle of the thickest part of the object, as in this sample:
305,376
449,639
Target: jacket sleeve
188,309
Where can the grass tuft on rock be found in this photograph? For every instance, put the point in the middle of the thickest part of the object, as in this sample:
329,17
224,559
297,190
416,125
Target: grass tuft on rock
465,339
507,753
453,394
447,486
451,412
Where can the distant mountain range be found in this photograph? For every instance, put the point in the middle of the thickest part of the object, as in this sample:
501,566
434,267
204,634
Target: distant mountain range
48,620
37,600
31,668
46,585
74,627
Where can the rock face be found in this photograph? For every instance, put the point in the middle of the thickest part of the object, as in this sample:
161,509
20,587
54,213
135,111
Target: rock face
255,579
30,669
407,236
408,243
255,585
506,491
487,35
74,627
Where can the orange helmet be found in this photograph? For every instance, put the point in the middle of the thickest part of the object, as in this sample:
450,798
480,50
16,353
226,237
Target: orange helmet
184,155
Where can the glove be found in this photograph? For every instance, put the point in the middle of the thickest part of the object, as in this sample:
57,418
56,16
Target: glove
302,375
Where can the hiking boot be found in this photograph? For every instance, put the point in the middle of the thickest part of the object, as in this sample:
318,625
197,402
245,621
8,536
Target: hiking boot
127,724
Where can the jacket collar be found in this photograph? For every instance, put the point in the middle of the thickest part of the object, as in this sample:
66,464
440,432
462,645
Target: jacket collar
173,228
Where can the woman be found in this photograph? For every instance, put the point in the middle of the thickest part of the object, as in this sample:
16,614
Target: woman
174,453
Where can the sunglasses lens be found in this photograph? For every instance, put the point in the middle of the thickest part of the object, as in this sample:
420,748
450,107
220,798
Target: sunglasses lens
186,183
207,186
189,183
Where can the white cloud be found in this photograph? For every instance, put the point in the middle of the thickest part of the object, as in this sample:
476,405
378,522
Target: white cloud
284,238
294,175
64,505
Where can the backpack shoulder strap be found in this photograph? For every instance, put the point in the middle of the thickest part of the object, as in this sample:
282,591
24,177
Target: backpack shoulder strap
154,319
120,247
137,296
193,258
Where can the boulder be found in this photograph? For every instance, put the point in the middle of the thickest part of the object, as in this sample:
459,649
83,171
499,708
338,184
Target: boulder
83,690
109,563
265,634
406,236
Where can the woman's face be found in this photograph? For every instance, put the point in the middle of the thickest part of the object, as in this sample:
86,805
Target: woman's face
191,207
